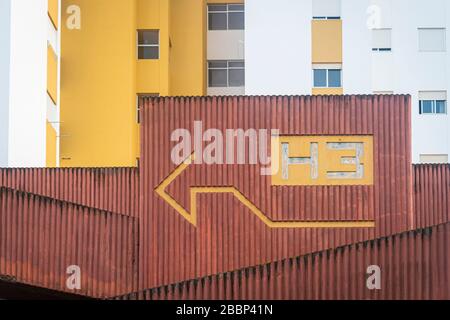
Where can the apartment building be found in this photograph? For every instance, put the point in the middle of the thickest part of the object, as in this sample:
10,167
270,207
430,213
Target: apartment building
29,75
124,50
357,47
112,52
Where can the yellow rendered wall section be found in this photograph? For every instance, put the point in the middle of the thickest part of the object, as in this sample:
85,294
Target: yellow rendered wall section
98,85
327,91
188,48
53,12
52,74
225,1
153,75
51,147
327,41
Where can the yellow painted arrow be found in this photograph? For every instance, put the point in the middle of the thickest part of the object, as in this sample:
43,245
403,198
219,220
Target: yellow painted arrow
194,191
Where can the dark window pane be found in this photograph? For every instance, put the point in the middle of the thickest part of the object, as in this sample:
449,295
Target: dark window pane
236,7
218,64
236,78
148,37
426,106
334,78
217,7
148,53
320,78
217,78
441,106
236,64
236,21
217,21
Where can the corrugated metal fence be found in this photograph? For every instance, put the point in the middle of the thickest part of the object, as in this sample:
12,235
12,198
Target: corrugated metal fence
41,237
109,189
228,236
98,218
413,265
431,195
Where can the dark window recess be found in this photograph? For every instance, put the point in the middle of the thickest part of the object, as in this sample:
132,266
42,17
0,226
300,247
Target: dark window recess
148,44
226,17
222,73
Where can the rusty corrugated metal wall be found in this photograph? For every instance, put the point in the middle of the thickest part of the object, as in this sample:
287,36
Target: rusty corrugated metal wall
228,236
41,237
414,265
110,189
431,194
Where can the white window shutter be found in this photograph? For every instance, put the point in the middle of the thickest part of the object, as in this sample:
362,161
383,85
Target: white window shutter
432,39
381,38
432,95
326,8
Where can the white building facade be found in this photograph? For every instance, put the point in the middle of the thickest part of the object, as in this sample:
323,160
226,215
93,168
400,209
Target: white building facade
27,36
387,47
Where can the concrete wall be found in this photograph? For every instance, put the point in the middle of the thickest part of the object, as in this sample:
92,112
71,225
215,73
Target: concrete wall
28,83
278,55
5,11
278,47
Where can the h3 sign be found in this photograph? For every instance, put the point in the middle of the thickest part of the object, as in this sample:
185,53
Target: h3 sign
322,160
296,161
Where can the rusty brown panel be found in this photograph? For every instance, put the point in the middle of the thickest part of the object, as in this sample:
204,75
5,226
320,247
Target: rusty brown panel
431,194
40,237
109,189
228,236
414,265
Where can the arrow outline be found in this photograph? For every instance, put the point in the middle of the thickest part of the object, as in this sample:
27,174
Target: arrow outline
191,216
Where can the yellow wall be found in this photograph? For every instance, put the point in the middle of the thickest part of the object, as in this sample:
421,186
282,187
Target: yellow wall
327,41
153,75
225,1
327,91
101,74
51,147
98,85
53,12
188,48
52,74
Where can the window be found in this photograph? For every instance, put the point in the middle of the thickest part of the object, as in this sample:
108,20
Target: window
432,106
432,102
326,9
226,17
148,44
432,39
381,40
434,158
222,73
139,102
327,78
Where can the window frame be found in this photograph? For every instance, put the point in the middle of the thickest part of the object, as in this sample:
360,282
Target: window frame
326,10
382,49
227,13
148,45
227,69
327,78
327,17
433,107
